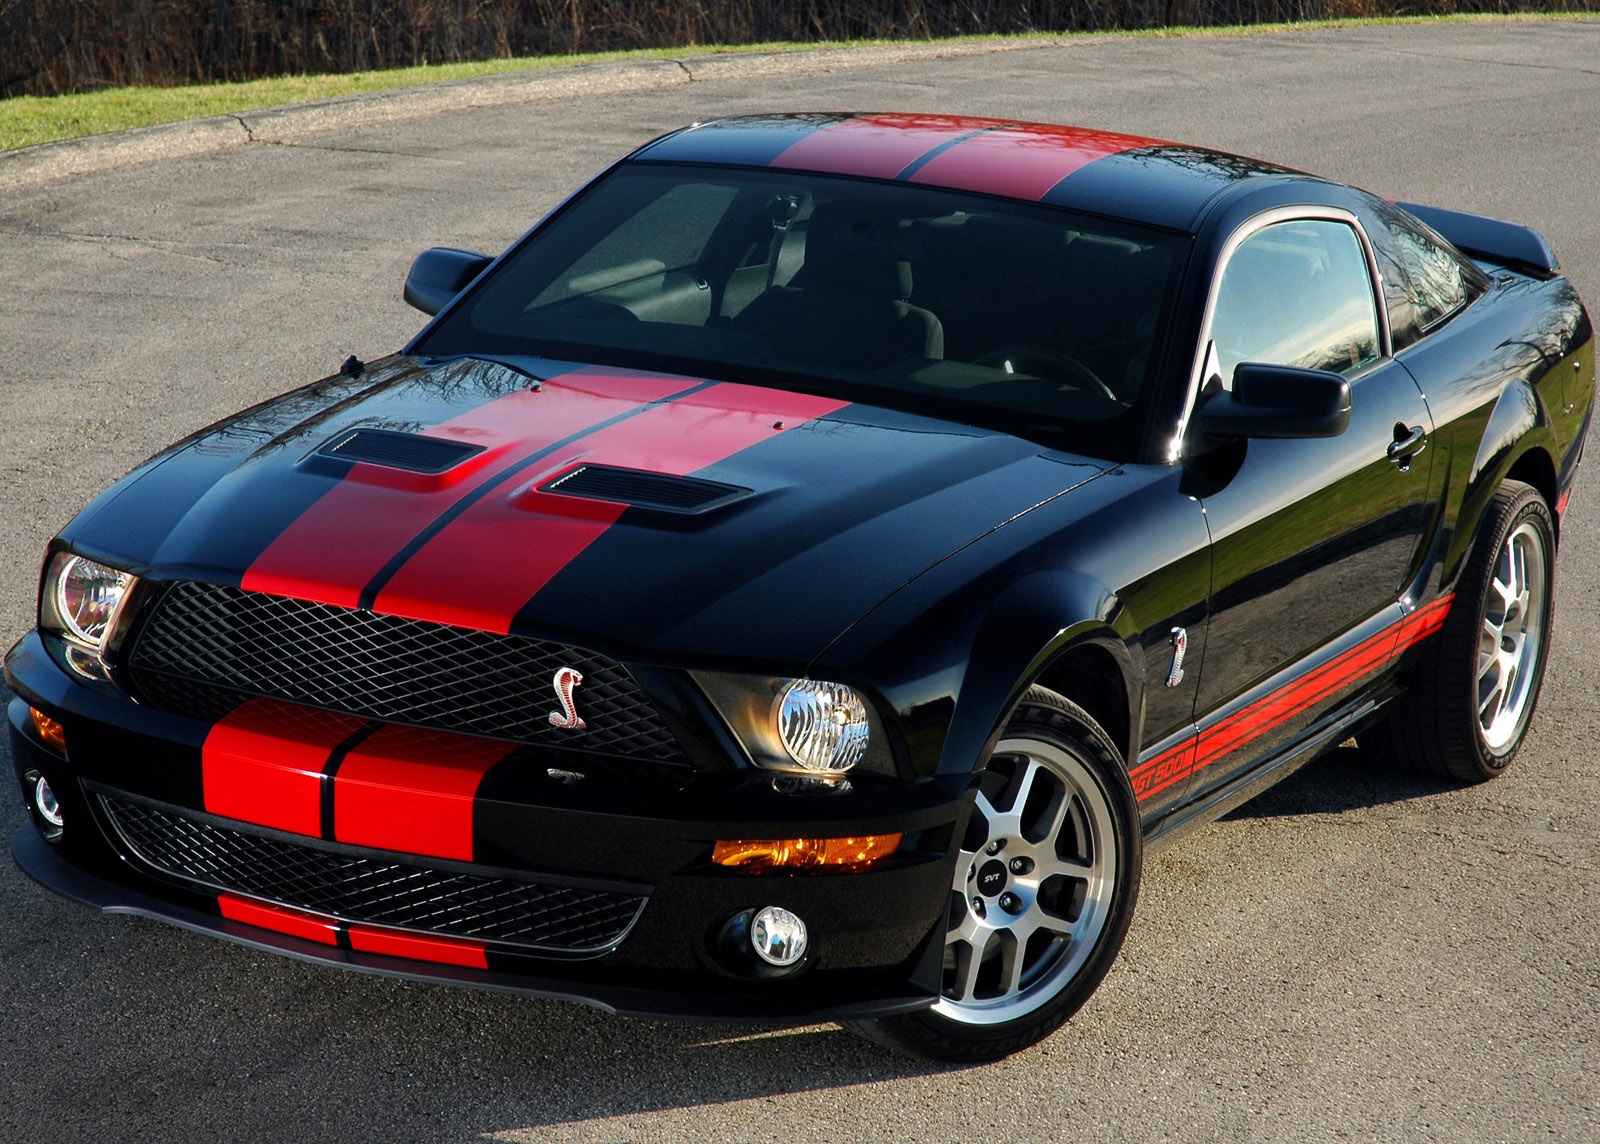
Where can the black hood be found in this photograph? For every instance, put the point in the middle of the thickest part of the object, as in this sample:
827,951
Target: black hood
649,515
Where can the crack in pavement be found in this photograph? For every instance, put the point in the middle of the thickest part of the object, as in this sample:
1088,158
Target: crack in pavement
153,244
1493,62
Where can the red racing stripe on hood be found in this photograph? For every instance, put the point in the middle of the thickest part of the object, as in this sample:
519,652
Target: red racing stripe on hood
1021,161
412,790
336,547
879,146
263,762
484,566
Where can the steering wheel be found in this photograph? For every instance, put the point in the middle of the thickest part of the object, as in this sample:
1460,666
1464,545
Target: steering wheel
1049,364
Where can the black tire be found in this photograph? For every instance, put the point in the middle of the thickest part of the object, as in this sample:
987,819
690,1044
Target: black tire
1468,710
1054,796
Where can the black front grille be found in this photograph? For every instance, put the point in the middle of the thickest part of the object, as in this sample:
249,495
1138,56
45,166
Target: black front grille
207,647
373,890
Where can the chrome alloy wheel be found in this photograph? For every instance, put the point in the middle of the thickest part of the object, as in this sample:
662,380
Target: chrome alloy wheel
1033,887
1511,637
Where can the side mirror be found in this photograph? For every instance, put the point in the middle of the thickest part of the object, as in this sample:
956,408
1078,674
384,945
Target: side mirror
1278,401
438,275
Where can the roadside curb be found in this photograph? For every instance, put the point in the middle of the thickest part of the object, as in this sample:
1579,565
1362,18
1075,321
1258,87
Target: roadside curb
288,124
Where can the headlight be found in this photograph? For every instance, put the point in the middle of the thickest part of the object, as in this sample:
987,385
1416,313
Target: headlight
81,601
823,726
804,726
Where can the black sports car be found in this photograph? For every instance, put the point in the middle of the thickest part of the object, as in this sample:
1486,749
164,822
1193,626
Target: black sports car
801,575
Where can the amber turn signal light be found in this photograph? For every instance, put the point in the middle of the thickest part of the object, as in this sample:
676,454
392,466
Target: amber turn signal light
48,729
814,855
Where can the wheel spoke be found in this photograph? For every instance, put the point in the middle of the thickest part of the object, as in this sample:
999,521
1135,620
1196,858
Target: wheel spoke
1052,864
1013,949
969,963
1489,705
1024,786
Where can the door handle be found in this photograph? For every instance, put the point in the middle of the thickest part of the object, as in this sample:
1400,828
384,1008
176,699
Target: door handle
1408,442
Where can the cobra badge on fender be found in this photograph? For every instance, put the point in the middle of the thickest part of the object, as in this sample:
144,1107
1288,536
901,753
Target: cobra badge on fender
567,718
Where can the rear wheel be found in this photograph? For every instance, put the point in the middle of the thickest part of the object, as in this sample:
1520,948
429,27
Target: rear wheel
1479,681
1045,885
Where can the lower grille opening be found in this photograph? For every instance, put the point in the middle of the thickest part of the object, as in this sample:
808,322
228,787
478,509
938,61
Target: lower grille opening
522,915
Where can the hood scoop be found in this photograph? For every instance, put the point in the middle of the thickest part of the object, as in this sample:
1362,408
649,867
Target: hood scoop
661,492
410,452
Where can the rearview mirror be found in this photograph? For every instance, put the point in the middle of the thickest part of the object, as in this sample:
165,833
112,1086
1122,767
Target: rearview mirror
1278,401
438,275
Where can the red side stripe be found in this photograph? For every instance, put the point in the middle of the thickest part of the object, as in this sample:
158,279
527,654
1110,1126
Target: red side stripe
262,763
1159,773
334,549
483,567
1250,723
279,919
412,790
1022,161
879,146
396,944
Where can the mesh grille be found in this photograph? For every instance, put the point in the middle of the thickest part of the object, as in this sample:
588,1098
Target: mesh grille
354,888
207,646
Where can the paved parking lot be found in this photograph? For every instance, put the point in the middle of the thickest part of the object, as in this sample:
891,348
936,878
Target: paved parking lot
1352,956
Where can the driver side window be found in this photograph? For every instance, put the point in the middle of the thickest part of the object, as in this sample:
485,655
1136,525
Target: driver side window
1296,293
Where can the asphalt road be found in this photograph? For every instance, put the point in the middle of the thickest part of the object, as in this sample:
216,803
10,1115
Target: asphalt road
1353,956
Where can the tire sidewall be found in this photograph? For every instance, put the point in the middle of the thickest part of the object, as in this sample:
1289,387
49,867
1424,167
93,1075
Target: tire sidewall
1047,717
1517,504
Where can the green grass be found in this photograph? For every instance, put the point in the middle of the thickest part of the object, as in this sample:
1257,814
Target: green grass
26,121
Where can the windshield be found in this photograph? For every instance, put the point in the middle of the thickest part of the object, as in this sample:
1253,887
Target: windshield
1030,319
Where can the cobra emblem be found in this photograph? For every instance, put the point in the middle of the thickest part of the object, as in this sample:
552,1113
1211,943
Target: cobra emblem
567,718
1180,645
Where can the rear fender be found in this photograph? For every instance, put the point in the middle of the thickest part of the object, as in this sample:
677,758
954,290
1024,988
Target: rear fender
1518,426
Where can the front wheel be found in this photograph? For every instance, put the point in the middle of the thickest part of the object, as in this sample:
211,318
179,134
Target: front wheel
1478,683
1044,889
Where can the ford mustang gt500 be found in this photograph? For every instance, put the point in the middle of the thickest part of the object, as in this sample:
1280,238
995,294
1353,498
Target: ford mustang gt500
801,575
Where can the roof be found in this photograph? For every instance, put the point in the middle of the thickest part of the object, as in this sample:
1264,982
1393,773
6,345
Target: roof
1104,172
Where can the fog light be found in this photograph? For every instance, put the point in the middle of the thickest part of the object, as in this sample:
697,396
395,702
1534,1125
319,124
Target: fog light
779,937
50,731
51,820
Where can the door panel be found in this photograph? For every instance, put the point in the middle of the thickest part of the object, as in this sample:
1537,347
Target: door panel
1311,539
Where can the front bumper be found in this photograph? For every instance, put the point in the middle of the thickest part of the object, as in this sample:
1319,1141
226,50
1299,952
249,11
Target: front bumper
877,936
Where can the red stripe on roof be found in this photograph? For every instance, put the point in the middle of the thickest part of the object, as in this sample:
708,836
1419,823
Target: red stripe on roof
411,790
262,763
880,146
279,919
396,944
1022,161
485,566
335,548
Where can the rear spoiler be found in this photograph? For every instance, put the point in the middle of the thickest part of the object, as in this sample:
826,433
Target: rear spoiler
1506,243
